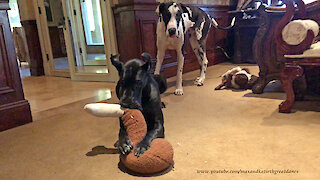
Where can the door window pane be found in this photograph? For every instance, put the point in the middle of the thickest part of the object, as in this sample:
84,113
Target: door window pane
92,22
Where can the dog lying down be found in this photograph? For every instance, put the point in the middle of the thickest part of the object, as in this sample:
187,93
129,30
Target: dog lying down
137,88
237,78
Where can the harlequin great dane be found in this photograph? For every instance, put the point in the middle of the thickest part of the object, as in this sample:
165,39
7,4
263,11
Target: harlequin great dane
174,21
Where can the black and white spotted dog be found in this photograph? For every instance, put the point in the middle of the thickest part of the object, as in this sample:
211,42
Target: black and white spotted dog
174,21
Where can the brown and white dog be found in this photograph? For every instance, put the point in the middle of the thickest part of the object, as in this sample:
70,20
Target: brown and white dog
237,78
174,21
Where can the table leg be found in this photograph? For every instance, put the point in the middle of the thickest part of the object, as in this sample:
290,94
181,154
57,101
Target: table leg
289,73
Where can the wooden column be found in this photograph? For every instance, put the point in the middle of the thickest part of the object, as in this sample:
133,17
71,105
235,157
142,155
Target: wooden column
14,109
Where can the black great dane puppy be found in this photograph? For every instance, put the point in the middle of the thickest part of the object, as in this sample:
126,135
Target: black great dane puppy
174,21
137,88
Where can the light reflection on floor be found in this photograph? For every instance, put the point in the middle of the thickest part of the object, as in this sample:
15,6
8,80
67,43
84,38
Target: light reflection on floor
92,69
62,64
105,94
96,57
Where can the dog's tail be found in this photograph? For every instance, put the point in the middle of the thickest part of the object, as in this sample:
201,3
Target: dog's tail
223,51
216,25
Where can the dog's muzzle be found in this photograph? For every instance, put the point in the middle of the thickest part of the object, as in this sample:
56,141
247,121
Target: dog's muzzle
130,105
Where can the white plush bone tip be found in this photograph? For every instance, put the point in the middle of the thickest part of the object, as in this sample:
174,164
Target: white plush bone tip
104,109
233,21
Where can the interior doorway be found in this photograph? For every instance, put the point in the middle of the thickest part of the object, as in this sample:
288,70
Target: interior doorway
76,37
51,26
90,24
19,38
93,37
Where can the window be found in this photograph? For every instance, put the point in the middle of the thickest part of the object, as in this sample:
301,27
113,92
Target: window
13,13
92,22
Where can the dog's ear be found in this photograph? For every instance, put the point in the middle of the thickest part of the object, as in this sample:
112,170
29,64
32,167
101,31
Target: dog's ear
116,63
220,86
160,9
246,69
147,58
184,9
229,81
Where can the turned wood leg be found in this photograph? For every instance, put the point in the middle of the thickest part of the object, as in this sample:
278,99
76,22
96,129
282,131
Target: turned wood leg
288,75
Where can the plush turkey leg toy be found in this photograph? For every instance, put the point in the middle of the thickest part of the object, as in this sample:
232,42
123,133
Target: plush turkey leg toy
156,159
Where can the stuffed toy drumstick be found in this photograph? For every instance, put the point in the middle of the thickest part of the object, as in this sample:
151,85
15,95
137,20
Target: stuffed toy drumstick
104,110
156,159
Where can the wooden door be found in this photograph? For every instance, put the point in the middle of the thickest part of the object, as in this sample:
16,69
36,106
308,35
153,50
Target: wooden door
14,109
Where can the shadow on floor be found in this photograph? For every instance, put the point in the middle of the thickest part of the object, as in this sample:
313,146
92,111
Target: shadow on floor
102,150
281,119
307,105
185,83
126,170
267,95
97,150
272,91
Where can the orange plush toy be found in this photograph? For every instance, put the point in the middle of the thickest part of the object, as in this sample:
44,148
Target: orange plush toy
156,159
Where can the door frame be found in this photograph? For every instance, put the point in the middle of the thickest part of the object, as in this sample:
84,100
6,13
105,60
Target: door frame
110,42
81,34
45,41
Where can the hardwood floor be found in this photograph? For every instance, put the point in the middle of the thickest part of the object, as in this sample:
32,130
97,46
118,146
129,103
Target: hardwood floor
46,93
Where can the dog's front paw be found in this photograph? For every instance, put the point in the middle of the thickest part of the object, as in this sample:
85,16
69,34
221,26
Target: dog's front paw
199,81
178,92
141,148
125,146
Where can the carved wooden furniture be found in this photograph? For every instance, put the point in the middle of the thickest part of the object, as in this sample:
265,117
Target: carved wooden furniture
265,48
297,52
136,23
14,109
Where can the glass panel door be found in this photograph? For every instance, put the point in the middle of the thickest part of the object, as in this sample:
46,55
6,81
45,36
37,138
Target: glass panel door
88,18
51,24
56,25
93,46
89,43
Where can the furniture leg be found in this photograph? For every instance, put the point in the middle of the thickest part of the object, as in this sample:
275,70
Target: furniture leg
287,76
260,85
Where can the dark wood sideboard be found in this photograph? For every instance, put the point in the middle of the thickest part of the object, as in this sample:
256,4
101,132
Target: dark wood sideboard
136,23
245,29
14,109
